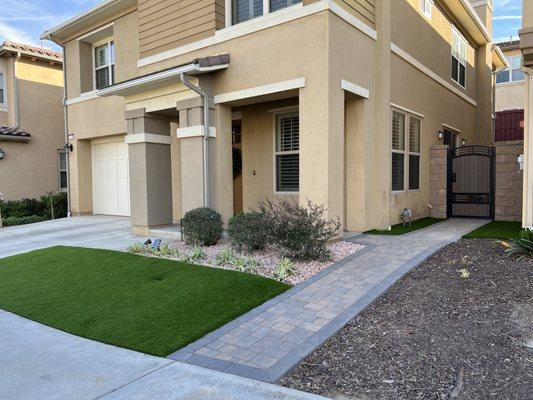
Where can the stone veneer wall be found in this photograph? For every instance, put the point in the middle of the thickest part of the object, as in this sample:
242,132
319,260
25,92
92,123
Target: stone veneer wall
438,180
509,181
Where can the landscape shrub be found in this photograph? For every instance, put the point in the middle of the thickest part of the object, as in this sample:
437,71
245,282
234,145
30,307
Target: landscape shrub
12,221
302,232
201,226
522,246
249,231
284,269
35,207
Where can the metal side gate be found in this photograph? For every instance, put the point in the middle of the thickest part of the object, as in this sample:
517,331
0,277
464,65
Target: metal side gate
471,181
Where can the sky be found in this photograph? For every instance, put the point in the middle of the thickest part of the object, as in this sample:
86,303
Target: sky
23,21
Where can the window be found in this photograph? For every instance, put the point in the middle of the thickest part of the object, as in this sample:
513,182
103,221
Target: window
459,48
2,89
398,150
287,152
514,74
426,6
405,127
245,10
414,153
63,170
104,65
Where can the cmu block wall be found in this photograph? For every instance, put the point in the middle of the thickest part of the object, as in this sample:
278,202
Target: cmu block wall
438,180
509,181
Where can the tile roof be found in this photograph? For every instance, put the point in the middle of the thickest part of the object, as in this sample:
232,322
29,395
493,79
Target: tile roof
13,132
509,45
32,50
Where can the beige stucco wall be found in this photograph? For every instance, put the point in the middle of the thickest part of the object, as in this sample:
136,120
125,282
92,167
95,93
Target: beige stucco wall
22,173
510,95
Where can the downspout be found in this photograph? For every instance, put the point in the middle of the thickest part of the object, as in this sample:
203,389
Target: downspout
65,118
205,146
16,91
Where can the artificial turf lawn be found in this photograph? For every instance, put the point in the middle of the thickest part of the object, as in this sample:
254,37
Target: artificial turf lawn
497,230
399,229
146,304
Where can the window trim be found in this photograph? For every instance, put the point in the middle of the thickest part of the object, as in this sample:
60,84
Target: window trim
275,114
59,170
423,9
406,152
510,71
463,39
99,43
3,105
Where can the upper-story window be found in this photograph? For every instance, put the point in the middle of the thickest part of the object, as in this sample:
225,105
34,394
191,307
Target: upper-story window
513,74
104,65
426,6
2,89
245,10
459,48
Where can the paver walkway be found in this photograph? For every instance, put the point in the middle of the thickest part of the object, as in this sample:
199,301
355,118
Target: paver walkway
270,340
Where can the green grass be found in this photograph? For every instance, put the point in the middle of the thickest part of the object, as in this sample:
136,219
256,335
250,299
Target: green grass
399,229
496,230
150,305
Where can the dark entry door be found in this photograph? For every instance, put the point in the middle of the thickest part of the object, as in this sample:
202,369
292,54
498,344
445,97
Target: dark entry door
471,182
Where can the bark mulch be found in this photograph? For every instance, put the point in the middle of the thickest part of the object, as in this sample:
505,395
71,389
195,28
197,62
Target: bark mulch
436,334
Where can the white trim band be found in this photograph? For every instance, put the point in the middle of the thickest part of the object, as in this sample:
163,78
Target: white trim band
147,138
405,109
415,63
261,23
355,89
260,90
195,131
83,97
452,128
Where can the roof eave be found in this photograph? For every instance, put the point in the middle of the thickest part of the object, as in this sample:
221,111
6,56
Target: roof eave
498,59
469,19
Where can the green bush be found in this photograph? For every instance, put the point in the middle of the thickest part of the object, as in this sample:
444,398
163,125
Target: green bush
12,221
302,232
201,226
248,231
522,246
35,207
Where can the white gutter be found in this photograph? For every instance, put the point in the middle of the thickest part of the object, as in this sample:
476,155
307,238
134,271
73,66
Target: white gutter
500,54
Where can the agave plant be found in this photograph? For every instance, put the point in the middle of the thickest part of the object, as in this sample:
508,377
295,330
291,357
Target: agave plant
522,246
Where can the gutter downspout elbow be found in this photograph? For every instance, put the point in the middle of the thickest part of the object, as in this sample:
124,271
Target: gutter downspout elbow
205,147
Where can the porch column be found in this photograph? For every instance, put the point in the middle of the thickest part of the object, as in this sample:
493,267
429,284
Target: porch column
148,142
321,106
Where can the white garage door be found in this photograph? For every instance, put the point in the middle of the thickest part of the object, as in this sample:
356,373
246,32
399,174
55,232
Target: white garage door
111,187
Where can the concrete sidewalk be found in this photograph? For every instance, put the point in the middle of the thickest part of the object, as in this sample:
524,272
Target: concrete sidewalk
269,341
39,362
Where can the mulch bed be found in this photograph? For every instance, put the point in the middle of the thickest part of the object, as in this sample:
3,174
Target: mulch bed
435,334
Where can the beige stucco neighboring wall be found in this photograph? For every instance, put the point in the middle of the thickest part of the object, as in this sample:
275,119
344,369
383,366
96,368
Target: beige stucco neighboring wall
510,96
22,173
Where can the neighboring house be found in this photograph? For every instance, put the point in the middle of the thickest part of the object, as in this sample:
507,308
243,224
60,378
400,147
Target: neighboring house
526,46
335,101
32,134
510,95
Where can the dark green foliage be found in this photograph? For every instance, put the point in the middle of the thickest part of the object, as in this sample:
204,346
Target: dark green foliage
12,221
201,226
145,304
249,231
302,232
20,209
522,246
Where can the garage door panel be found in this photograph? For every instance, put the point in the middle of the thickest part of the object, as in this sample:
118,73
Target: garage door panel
111,180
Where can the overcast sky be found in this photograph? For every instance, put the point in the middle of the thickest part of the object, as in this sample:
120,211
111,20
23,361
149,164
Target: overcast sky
24,20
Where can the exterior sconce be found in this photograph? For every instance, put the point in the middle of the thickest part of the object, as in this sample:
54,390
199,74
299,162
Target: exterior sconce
69,147
463,142
440,135
2,154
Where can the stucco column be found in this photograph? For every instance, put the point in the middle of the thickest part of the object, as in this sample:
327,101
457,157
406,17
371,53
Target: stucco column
80,167
149,142
527,205
221,166
321,108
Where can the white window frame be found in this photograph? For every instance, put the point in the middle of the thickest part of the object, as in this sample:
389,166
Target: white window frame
460,37
426,7
275,114
406,150
3,78
59,170
107,41
510,71
266,12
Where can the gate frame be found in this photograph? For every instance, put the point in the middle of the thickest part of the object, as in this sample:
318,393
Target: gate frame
457,152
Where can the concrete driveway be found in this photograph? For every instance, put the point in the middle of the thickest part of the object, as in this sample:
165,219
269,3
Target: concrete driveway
96,231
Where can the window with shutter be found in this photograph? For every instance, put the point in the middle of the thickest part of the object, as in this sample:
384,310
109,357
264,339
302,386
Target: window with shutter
414,153
2,85
459,50
287,152
276,5
244,10
63,181
406,136
426,6
104,65
398,150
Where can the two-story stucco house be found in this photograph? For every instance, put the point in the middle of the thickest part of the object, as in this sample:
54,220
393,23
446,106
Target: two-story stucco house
32,134
335,101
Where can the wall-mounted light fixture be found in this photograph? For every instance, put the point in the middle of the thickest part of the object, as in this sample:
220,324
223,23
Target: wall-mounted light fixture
69,147
463,142
440,135
2,154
